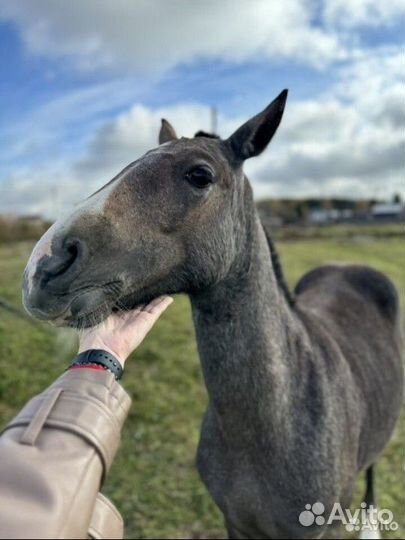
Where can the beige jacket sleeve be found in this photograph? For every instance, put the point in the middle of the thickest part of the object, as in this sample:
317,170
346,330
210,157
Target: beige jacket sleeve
54,456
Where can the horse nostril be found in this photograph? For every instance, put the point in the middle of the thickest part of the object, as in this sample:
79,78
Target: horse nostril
64,257
73,250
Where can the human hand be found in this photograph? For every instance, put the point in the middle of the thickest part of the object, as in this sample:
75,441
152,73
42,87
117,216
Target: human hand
121,333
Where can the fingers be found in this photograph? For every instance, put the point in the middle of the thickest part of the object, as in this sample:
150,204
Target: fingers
149,314
142,322
158,305
121,332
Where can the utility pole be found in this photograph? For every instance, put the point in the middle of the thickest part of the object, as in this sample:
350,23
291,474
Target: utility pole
214,120
55,201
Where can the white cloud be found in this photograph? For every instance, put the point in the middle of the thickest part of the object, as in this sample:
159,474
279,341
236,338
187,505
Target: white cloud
146,37
58,184
47,127
347,142
45,191
150,38
127,137
354,13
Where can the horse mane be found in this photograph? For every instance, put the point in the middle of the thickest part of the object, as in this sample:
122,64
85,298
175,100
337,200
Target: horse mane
278,269
205,134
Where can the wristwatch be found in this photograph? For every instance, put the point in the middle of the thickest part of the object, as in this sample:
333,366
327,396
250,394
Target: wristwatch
102,358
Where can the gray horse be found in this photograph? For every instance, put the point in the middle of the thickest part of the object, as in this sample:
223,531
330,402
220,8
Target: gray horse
304,391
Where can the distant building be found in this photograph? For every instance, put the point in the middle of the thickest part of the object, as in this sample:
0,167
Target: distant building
272,222
321,216
277,213
388,211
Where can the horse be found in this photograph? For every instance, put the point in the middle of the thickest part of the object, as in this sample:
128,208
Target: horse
304,389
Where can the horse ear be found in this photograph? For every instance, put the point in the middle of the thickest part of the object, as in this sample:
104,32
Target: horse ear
167,132
252,138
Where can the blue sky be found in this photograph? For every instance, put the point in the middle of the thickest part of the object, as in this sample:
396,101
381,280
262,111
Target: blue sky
84,86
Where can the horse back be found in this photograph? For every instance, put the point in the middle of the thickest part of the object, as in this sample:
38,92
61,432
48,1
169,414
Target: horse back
359,308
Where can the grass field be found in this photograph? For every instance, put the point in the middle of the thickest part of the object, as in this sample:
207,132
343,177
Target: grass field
154,481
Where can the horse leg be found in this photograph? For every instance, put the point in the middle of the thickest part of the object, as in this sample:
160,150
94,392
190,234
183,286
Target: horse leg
372,530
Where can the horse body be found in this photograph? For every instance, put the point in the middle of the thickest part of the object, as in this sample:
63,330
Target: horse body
301,399
303,394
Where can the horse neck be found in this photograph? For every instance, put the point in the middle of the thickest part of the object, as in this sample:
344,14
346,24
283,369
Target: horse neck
245,333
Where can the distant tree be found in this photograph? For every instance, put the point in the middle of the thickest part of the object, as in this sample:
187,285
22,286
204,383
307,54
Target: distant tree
361,207
327,204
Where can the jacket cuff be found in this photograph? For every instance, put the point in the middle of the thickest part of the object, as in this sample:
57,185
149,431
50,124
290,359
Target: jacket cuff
88,403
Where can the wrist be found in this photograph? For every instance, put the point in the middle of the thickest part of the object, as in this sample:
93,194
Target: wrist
98,359
83,347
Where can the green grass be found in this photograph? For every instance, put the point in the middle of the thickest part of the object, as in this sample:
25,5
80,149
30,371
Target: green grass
341,230
153,480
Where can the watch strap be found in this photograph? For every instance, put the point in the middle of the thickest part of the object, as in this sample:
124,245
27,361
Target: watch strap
102,358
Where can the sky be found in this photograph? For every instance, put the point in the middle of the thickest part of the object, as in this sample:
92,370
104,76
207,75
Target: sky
85,84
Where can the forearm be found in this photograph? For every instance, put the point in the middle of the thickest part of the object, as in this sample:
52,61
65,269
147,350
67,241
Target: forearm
55,454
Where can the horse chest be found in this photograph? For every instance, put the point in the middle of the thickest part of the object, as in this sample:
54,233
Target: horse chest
261,493
244,488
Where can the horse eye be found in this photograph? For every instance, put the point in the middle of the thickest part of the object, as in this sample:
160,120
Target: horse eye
200,177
